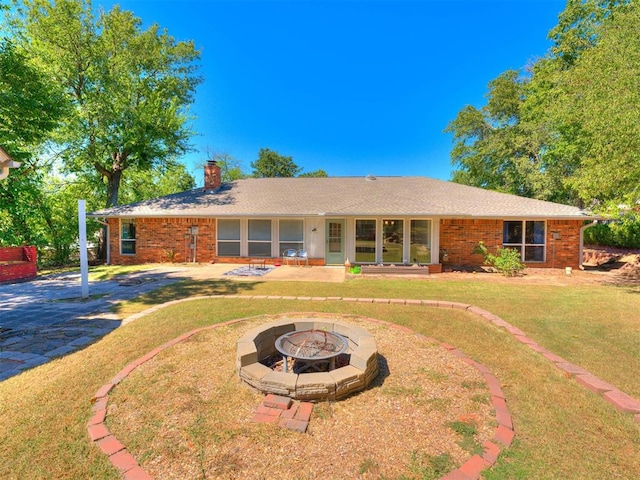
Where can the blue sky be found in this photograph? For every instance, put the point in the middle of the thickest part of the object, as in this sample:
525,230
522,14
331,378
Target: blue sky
353,87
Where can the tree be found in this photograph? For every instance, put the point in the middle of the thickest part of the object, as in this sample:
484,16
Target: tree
578,28
30,108
31,105
599,99
271,164
130,88
230,167
320,173
144,184
503,146
566,129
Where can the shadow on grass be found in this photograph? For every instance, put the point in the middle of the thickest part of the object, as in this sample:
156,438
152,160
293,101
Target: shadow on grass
188,288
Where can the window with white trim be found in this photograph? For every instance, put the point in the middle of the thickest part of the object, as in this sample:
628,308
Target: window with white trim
127,236
291,234
526,236
259,238
420,251
392,241
365,241
228,237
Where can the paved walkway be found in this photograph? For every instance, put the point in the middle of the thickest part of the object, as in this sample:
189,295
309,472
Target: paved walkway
47,318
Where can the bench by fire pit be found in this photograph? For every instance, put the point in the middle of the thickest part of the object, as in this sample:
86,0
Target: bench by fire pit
315,344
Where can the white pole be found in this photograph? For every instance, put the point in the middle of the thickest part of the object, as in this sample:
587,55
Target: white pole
84,264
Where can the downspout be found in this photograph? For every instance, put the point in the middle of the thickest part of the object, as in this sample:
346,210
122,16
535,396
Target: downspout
106,224
582,229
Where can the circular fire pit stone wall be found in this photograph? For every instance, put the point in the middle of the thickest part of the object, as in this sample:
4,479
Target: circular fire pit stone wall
259,344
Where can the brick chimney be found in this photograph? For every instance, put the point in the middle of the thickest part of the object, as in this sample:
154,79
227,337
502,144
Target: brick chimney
212,175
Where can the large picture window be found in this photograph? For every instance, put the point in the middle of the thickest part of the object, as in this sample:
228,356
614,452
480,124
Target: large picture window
528,237
291,234
259,238
127,236
228,238
421,241
365,241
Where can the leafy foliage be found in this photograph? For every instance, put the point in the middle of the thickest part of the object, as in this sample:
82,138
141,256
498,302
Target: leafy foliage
507,260
230,167
31,105
129,88
623,232
271,164
83,99
567,127
320,173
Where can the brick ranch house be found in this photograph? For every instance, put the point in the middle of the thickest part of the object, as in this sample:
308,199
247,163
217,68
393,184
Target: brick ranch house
362,220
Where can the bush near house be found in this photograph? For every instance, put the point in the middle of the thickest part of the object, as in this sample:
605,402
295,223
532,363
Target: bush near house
507,261
622,233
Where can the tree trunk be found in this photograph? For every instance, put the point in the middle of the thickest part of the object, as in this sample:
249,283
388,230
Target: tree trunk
113,188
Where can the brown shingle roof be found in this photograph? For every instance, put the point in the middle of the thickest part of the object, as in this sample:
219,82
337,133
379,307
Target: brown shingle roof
345,196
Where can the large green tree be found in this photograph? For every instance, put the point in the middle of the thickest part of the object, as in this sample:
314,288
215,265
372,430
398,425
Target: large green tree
599,103
271,164
565,128
502,146
31,106
130,88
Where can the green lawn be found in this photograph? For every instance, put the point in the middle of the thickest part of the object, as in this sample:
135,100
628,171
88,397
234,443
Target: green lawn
563,431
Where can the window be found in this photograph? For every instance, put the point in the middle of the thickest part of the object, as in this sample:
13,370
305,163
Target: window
528,237
228,238
127,236
365,241
420,241
393,246
291,234
259,238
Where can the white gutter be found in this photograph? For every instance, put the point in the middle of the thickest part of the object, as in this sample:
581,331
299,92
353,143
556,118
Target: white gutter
582,229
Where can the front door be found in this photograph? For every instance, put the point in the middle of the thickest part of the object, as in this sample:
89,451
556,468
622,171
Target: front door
334,245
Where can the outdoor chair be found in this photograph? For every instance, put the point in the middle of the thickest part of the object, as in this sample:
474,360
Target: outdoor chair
289,256
303,256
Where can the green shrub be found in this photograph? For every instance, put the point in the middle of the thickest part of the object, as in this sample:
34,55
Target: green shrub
506,261
622,233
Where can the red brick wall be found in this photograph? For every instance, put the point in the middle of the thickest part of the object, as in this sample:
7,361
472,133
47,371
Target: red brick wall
157,237
19,264
459,237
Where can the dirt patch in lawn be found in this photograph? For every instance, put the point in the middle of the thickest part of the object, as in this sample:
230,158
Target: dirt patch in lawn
185,414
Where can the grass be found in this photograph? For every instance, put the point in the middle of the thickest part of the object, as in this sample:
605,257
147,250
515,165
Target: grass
468,432
563,430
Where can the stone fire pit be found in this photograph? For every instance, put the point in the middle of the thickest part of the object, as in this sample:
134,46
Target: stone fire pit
257,346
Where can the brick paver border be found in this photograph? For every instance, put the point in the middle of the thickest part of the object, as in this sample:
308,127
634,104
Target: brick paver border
470,470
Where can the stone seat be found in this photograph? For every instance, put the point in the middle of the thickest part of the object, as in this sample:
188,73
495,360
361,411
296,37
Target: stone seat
259,344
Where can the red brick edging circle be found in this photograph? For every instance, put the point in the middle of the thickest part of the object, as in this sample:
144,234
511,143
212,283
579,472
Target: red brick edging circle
470,470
